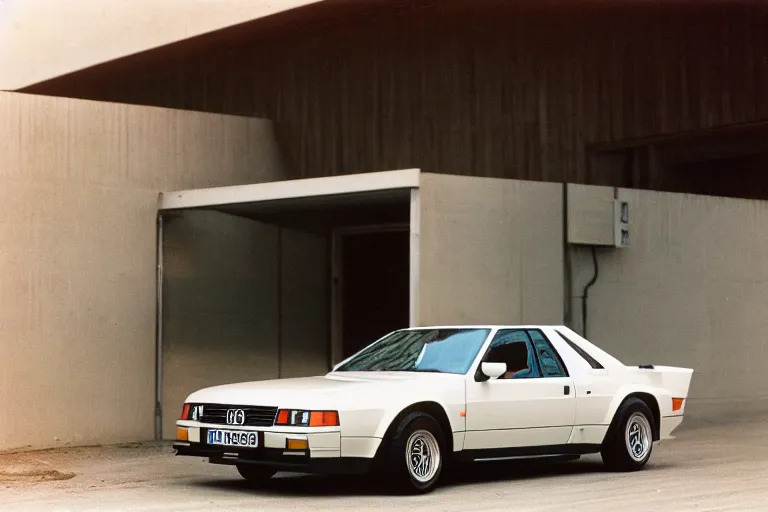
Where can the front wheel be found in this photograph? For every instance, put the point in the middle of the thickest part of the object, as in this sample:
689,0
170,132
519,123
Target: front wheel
629,443
415,455
255,474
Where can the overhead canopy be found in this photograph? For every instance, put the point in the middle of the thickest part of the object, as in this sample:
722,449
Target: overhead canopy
83,32
316,203
320,204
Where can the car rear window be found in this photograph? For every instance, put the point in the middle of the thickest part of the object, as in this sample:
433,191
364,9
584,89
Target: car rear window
594,363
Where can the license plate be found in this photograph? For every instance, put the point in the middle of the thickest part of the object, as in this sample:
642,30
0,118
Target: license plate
233,438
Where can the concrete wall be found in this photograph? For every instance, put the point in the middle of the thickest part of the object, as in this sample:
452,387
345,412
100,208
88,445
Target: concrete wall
304,304
491,251
78,198
243,301
691,290
220,305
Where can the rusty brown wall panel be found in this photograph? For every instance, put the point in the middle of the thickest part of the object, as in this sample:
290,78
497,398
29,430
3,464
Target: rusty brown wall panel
483,88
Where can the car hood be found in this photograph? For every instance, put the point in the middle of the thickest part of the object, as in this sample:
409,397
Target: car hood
329,390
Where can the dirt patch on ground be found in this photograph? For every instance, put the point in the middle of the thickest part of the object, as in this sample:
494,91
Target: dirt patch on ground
19,468
32,475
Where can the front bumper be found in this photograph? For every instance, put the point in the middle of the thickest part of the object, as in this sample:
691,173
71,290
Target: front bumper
282,460
325,451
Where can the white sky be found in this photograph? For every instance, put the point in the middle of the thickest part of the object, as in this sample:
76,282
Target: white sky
41,39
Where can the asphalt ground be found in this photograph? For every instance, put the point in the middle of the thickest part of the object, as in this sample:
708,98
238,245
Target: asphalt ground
704,469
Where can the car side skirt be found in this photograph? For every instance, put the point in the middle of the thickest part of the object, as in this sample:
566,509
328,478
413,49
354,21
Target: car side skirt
527,452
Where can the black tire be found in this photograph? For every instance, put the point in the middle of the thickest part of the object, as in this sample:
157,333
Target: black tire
417,433
256,474
633,425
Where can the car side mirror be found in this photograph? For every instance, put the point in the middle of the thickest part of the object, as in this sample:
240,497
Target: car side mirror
491,371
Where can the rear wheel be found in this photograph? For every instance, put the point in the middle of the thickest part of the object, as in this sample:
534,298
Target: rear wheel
415,455
256,474
629,442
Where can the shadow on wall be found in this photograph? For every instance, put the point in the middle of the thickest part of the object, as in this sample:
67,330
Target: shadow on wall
243,301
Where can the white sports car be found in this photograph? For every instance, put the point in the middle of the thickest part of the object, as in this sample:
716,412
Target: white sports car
421,399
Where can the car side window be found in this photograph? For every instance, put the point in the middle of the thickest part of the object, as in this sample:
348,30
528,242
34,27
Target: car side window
514,348
549,359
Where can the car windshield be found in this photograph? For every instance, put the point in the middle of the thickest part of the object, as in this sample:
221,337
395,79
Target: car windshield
421,350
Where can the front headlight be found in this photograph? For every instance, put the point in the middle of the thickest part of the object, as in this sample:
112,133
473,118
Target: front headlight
192,412
196,413
300,418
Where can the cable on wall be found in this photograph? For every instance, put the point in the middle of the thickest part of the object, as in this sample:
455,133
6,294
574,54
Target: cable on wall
585,293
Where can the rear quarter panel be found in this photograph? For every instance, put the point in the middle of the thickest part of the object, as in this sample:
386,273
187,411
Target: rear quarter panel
662,382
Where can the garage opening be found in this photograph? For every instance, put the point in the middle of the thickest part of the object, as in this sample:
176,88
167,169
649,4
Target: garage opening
281,279
373,282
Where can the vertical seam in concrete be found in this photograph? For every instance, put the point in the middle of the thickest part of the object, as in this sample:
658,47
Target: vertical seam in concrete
414,270
159,328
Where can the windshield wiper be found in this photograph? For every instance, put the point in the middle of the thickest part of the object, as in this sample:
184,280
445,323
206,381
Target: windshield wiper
425,370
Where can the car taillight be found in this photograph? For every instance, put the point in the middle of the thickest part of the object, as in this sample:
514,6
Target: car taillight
185,412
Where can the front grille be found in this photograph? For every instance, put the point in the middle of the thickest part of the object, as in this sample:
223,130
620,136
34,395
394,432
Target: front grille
255,416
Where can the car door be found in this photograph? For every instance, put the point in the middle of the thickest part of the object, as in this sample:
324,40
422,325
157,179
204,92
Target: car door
532,405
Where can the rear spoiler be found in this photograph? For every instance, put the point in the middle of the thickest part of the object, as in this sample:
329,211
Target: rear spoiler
675,380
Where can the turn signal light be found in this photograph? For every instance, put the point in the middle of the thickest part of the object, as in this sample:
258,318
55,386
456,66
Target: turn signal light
324,419
677,403
182,434
297,444
296,418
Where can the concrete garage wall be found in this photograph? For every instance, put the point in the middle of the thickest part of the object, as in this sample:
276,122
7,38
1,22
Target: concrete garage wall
243,301
78,198
691,290
305,304
220,313
491,251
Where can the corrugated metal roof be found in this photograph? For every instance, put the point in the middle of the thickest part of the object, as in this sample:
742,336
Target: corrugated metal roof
43,39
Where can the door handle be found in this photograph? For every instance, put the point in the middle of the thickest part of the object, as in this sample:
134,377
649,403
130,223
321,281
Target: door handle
567,390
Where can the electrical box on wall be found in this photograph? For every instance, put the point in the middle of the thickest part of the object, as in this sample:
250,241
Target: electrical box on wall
596,218
620,223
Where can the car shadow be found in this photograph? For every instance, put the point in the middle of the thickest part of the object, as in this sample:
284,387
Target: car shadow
298,485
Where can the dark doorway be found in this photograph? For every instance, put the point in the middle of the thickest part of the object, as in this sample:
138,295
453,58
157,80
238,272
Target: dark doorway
375,286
